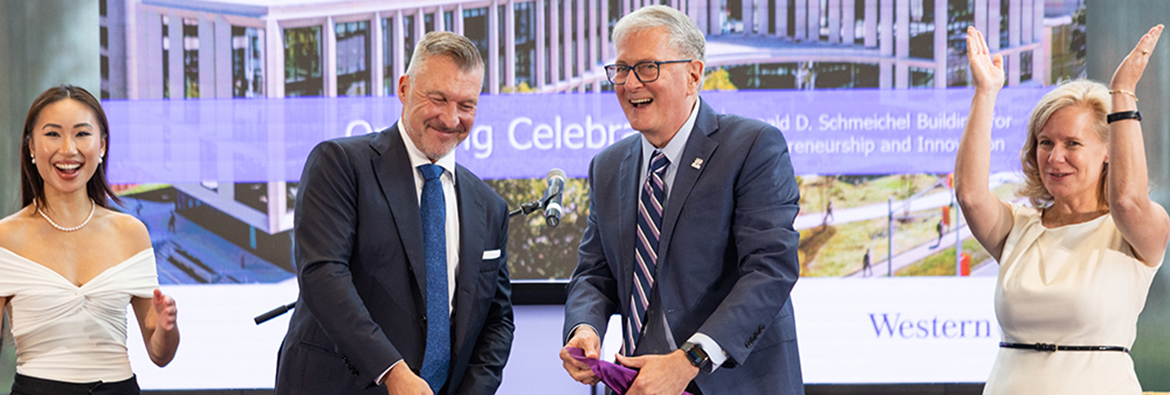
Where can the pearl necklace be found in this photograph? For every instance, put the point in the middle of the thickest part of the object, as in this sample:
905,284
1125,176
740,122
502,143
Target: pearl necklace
64,229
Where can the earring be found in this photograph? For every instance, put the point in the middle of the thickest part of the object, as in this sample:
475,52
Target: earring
33,158
100,158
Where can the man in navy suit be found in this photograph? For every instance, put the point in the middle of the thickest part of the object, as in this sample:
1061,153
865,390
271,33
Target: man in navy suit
400,252
690,234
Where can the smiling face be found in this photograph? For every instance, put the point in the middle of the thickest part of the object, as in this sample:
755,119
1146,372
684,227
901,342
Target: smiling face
657,109
1071,156
438,104
67,143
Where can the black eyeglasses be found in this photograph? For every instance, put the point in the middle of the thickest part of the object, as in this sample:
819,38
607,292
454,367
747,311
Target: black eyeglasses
646,72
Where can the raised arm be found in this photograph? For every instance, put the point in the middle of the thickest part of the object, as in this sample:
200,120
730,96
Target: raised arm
990,219
1143,223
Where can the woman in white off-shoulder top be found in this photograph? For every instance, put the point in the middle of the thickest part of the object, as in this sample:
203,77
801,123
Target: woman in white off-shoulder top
69,265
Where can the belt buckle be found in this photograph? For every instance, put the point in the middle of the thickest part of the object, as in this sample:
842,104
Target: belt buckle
1046,347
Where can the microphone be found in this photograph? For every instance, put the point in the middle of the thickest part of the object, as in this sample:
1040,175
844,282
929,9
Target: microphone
552,197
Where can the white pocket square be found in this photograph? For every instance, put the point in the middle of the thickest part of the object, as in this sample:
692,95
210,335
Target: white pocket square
491,254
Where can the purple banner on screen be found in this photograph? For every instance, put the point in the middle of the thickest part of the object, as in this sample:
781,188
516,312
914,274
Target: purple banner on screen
523,136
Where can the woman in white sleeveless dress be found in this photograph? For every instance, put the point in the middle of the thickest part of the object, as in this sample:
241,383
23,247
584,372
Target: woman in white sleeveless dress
69,265
1077,263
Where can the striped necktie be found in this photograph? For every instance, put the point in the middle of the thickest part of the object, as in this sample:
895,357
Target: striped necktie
646,248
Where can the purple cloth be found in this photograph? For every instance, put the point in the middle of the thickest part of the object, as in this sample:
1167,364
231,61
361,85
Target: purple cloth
616,377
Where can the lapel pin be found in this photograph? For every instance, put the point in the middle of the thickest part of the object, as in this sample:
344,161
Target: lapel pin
697,164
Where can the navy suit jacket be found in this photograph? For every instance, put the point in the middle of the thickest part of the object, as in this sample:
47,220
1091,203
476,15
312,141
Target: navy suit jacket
727,253
362,274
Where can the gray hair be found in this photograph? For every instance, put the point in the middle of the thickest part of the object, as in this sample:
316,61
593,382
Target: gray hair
455,47
684,35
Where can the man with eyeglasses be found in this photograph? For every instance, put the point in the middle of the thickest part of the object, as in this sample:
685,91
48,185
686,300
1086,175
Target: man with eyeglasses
689,234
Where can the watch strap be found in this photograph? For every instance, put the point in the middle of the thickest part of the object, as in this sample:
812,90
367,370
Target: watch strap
1123,115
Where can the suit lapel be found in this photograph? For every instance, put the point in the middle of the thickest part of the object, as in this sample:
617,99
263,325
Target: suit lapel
472,226
628,190
396,178
699,146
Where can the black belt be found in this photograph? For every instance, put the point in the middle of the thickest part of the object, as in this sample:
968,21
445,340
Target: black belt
1055,347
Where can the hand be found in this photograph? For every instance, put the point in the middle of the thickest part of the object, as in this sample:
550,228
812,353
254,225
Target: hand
1131,68
165,312
987,71
402,381
660,374
586,339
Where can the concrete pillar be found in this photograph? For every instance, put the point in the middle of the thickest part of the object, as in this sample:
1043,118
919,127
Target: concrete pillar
1014,25
457,19
541,39
940,44
329,57
510,44
993,19
175,56
567,44
554,41
801,33
399,54
871,23
150,52
440,20
763,15
814,20
902,47
273,59
886,29
1042,57
493,60
886,74
377,56
594,42
580,43
222,58
782,18
1026,22
834,17
848,21
206,51
749,17
604,31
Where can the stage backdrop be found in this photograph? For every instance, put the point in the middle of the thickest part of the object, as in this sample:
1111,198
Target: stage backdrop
215,105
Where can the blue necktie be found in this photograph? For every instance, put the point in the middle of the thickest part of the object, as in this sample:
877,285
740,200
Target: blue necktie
646,248
437,356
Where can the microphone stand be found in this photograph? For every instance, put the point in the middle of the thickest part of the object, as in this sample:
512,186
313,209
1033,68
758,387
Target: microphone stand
530,207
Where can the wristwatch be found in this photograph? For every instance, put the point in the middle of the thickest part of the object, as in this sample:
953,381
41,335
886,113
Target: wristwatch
695,354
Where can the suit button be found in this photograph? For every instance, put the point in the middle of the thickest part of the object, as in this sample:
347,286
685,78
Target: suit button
424,318
748,344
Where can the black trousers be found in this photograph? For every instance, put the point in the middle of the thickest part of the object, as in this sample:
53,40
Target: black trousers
25,385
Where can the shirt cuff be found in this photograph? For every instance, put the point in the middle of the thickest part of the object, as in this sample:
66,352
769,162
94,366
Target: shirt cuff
575,328
714,352
382,377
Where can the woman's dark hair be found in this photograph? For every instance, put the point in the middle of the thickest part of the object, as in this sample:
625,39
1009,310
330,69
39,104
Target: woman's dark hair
32,186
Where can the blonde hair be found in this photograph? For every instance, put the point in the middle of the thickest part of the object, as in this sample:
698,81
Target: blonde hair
1077,93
